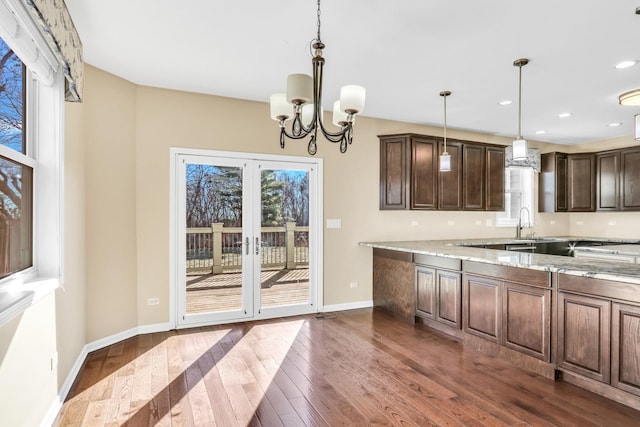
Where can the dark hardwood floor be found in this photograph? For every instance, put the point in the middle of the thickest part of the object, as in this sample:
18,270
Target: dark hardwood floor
357,367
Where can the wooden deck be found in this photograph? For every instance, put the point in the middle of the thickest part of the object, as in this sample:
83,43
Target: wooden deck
354,368
222,292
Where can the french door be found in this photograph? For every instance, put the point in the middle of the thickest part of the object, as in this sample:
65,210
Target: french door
246,237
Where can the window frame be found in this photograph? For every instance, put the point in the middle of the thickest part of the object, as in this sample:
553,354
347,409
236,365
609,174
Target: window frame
507,218
44,152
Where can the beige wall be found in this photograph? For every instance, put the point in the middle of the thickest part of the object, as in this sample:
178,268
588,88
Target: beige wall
109,137
28,385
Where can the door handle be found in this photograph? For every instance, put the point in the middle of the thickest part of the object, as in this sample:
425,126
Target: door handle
246,243
257,246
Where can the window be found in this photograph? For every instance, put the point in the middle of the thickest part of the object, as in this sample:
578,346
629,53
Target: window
16,168
518,194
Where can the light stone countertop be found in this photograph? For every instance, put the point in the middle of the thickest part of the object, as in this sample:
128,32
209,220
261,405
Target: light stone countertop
621,272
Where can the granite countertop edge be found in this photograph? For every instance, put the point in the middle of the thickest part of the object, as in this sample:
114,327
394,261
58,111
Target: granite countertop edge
606,270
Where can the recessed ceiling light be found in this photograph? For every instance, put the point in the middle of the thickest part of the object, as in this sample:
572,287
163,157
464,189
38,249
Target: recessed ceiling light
564,115
616,124
541,132
505,102
625,64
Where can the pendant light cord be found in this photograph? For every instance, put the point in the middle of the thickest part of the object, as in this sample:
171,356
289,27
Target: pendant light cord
520,101
445,123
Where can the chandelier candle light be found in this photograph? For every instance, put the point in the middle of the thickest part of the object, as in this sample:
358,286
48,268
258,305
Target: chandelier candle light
445,158
303,104
520,144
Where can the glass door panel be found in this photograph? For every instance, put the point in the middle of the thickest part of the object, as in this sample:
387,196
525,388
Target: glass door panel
283,265
217,284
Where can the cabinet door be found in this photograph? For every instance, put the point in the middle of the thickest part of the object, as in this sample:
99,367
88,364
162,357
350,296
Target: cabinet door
424,173
495,179
425,292
393,172
582,194
561,183
583,335
449,298
482,307
527,320
630,179
608,185
625,348
552,183
450,182
473,177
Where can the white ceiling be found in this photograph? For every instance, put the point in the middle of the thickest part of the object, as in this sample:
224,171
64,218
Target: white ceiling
403,51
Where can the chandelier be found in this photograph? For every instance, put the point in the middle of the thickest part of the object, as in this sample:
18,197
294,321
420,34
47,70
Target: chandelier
303,104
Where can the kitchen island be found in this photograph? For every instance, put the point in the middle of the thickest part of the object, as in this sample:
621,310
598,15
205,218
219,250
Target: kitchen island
559,316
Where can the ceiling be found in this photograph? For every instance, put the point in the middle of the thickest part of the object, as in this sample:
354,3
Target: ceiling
404,52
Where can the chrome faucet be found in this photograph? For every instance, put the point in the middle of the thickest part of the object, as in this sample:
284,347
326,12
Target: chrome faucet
519,227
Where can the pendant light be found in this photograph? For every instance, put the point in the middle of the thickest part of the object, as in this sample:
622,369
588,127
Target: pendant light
520,144
445,158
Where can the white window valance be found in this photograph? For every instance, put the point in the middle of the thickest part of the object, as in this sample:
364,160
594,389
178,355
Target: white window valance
54,22
19,31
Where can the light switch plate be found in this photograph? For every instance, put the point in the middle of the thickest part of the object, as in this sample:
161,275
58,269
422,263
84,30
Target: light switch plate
334,223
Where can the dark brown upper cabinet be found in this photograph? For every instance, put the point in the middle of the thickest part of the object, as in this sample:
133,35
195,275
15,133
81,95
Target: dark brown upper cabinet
394,172
450,182
495,178
424,173
473,177
582,182
552,183
608,181
630,179
410,177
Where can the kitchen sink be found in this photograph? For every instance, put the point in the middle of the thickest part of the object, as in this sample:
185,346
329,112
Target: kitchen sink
543,245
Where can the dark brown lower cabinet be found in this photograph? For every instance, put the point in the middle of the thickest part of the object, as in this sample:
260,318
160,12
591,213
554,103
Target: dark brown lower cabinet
482,307
584,342
438,295
625,348
527,320
510,314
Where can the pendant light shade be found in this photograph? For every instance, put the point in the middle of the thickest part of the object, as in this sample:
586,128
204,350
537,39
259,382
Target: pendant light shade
445,158
520,144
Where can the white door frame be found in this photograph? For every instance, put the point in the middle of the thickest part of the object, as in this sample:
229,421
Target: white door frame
174,225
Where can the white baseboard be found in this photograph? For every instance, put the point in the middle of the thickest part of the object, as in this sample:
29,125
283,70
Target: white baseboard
52,413
348,306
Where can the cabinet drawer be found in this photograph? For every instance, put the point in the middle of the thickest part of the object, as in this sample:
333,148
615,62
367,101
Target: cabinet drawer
438,262
525,276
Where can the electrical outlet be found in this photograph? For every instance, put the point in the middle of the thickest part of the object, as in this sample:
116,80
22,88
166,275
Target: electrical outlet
153,301
451,223
54,361
415,223
612,223
353,285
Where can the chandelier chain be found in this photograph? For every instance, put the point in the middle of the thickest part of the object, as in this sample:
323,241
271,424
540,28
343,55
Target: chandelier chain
318,36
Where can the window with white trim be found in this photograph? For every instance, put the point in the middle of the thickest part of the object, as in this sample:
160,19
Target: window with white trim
518,184
31,129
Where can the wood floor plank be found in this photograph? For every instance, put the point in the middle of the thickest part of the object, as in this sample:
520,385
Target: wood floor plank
355,368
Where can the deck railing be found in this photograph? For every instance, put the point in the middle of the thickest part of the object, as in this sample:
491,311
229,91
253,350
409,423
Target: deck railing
218,249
